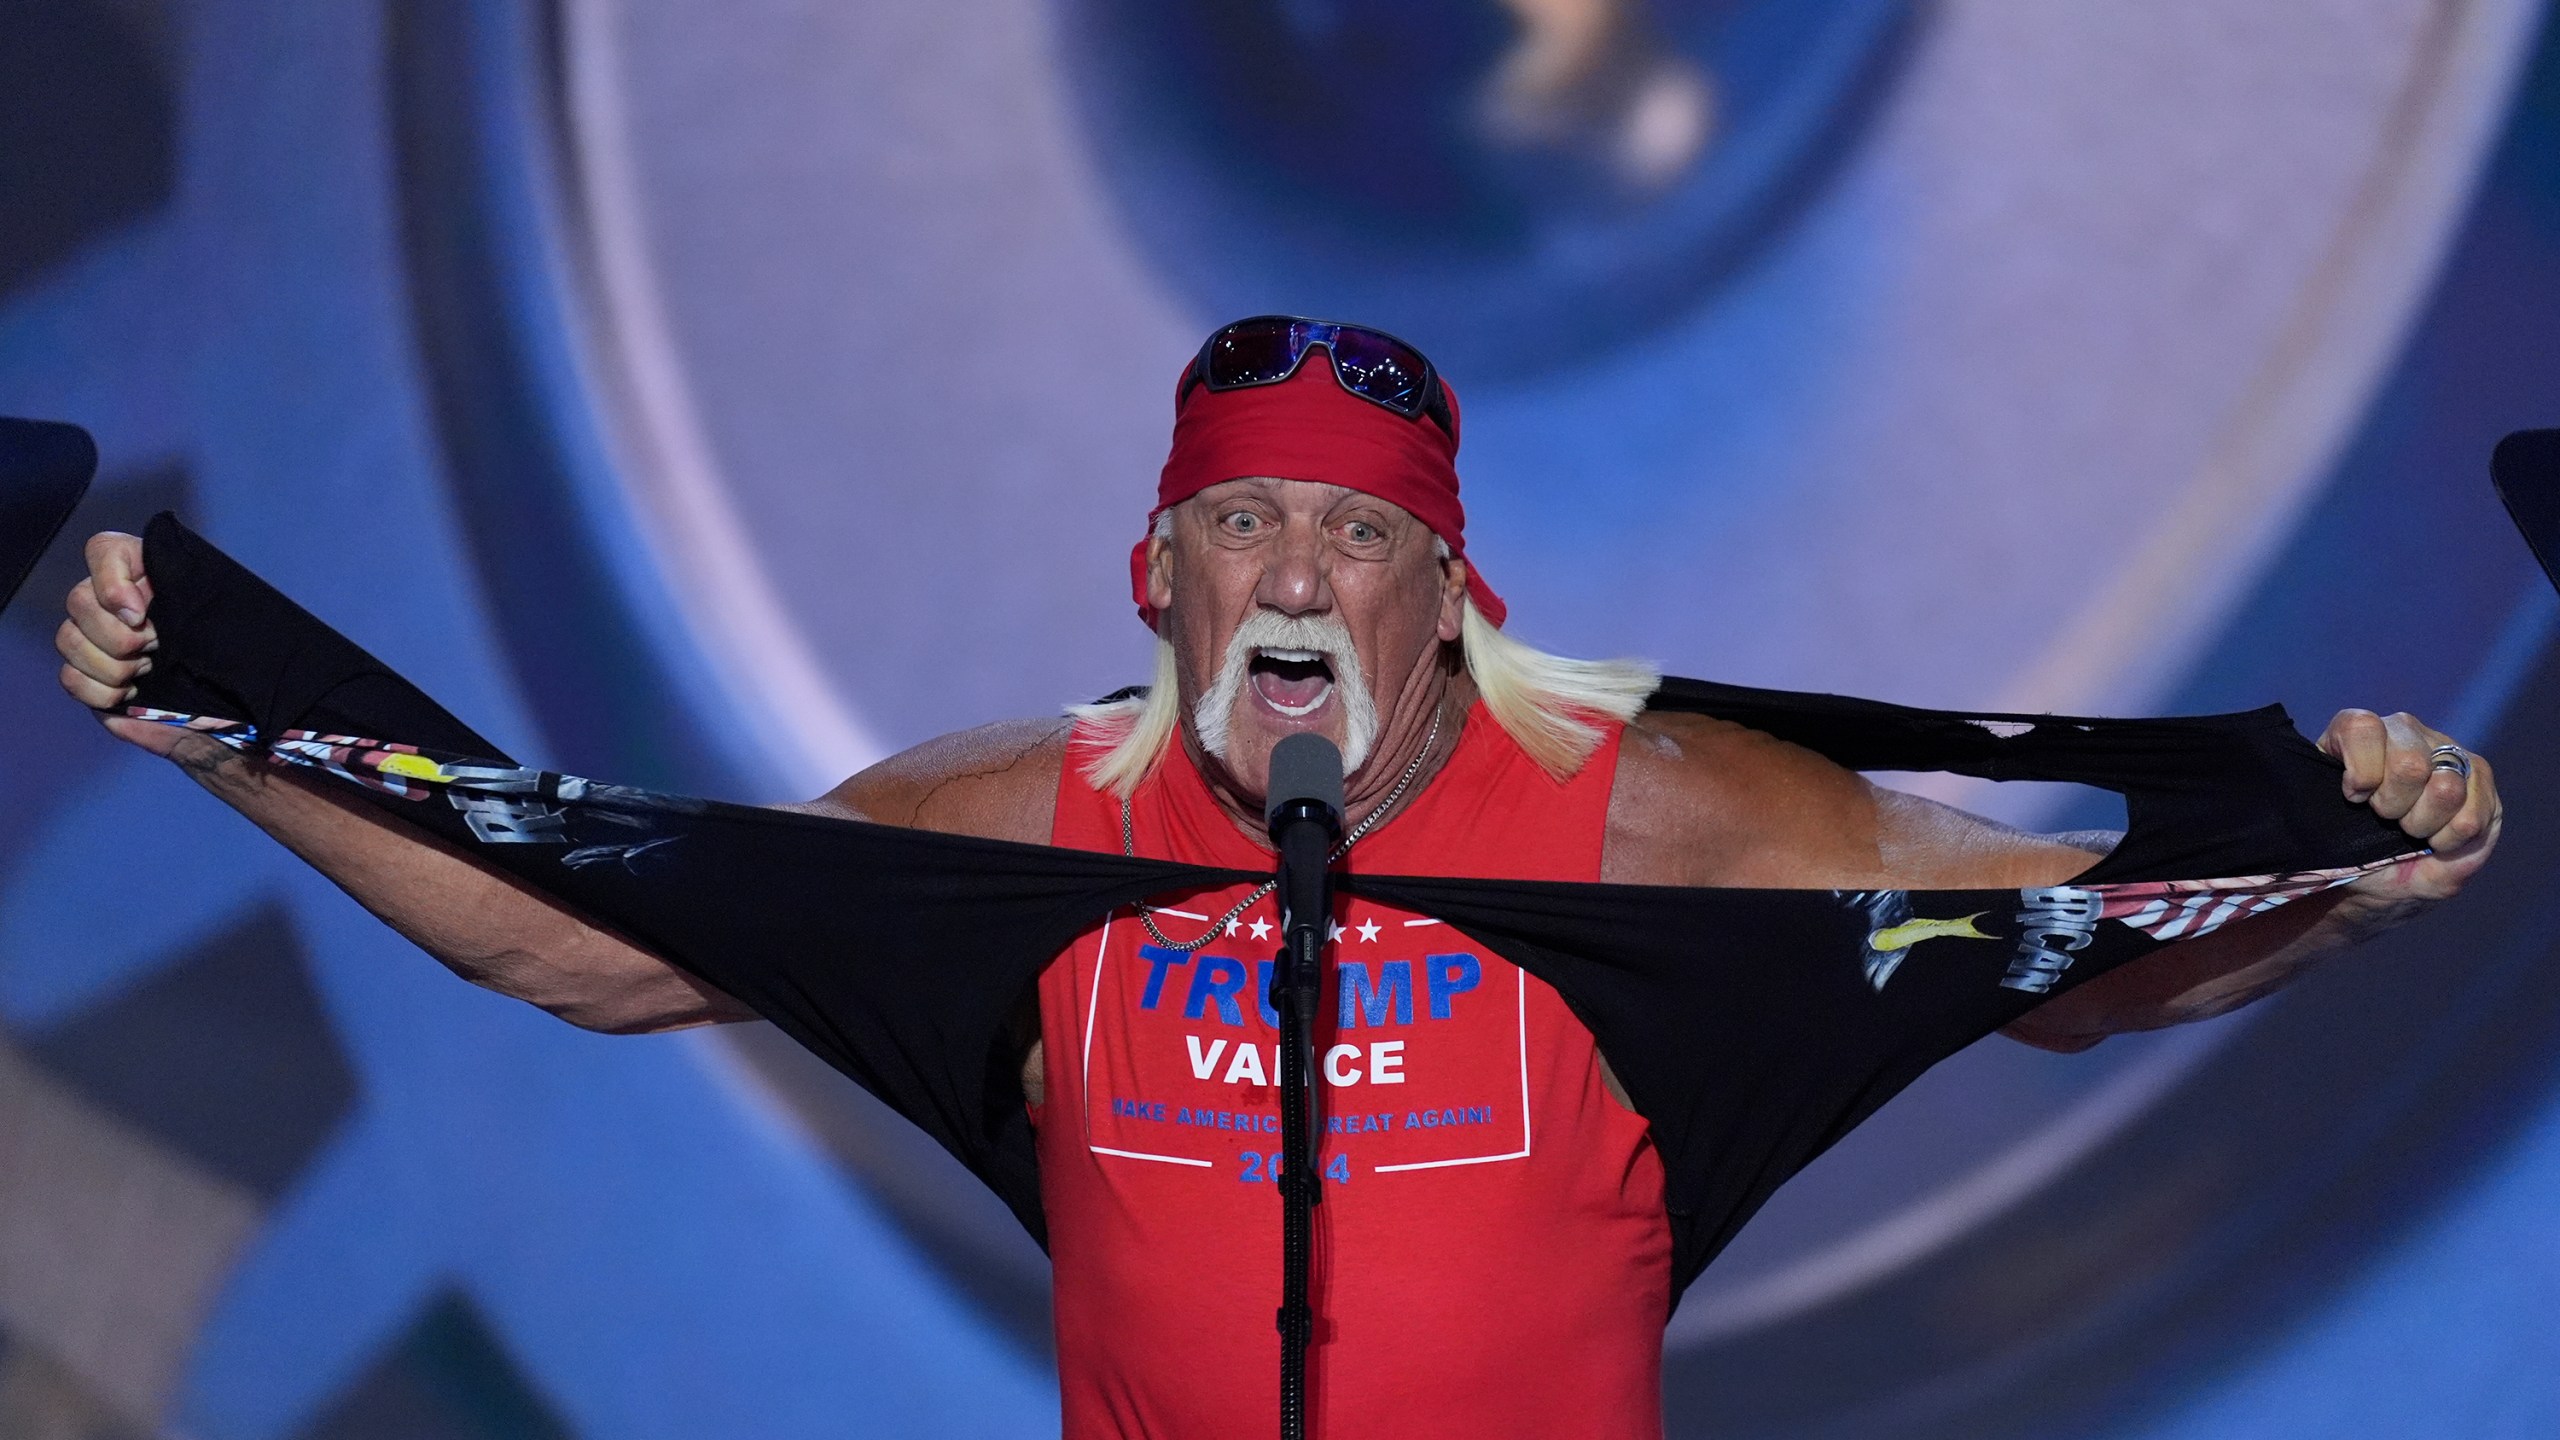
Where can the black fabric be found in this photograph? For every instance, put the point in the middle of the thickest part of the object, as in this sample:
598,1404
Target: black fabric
233,646
2526,470
1742,1022
2238,794
1747,1054
45,467
898,956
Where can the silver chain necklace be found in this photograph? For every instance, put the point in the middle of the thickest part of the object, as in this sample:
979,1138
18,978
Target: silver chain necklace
1217,927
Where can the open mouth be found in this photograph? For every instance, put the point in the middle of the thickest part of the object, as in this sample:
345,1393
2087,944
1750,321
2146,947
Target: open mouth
1292,682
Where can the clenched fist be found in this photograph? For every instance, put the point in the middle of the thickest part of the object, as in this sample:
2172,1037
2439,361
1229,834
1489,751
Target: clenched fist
106,642
2439,792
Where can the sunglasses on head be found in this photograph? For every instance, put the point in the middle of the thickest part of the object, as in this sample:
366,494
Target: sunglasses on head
1371,364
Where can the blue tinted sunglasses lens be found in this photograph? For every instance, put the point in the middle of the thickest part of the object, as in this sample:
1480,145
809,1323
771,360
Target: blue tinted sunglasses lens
1374,367
1255,352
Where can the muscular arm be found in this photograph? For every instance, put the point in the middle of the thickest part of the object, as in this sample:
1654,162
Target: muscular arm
1700,801
494,931
1703,802
483,924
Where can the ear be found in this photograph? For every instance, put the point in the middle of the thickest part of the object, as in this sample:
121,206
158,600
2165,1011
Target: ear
1160,572
1453,598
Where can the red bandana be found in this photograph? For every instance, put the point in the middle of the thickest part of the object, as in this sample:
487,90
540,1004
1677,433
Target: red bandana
1309,428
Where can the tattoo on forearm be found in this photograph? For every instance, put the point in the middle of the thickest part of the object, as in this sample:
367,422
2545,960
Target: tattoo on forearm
210,763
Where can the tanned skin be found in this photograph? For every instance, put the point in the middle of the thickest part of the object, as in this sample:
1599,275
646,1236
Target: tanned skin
1695,801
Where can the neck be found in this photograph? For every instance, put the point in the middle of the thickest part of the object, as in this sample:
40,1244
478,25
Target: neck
1402,735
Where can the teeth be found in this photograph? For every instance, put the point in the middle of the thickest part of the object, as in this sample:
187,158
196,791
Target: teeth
1294,711
1294,657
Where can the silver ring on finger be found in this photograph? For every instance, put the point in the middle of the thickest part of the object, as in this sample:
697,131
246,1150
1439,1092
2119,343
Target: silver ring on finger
2450,757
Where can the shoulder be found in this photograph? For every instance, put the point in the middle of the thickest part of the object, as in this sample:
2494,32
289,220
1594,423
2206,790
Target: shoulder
1701,801
996,781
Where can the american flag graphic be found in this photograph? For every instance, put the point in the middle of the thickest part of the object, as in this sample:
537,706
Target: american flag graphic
2185,909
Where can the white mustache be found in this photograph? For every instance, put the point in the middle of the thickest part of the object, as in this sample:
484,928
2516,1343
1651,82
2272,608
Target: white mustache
1213,715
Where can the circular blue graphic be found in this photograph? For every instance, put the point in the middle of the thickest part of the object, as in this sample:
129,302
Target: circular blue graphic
1512,183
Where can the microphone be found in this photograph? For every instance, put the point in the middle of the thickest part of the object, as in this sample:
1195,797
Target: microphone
1305,790
1303,807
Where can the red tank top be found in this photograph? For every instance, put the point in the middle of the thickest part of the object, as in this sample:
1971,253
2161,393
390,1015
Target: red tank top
1492,1256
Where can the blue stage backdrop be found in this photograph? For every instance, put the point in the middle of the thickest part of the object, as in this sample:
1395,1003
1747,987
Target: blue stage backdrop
722,394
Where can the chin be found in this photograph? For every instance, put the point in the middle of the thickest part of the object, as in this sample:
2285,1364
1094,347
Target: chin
1257,728
1256,737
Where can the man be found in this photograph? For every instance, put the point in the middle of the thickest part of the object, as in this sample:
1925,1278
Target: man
1493,1252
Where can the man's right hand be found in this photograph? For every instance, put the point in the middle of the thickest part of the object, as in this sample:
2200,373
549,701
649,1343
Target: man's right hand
106,643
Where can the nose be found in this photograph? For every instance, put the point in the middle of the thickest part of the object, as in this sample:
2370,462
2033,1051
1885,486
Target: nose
1294,580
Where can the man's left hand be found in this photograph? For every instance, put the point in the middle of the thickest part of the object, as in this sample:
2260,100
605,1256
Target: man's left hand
2404,769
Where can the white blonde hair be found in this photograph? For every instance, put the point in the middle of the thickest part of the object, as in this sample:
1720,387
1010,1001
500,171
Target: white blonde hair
1548,704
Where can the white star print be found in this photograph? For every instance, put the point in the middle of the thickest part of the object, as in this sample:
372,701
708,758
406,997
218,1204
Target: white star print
1231,925
1369,930
1333,931
1260,927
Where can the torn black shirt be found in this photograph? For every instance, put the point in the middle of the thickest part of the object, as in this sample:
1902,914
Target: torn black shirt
1750,1028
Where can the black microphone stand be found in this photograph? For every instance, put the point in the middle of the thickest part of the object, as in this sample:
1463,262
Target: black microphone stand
1305,814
